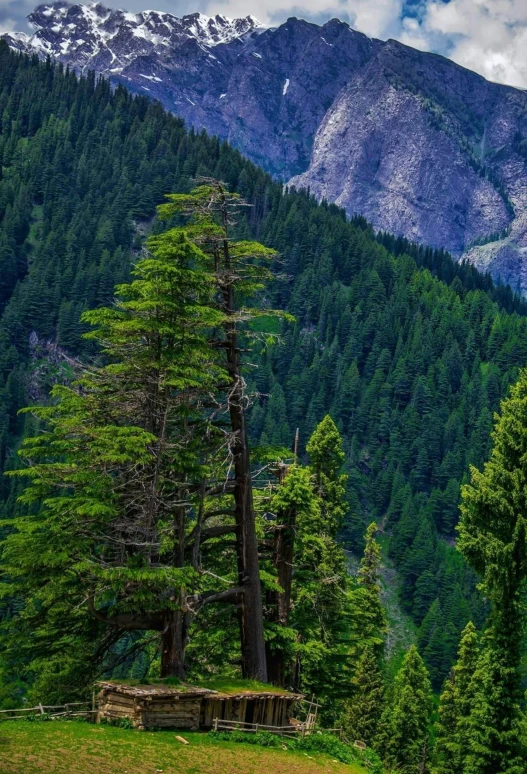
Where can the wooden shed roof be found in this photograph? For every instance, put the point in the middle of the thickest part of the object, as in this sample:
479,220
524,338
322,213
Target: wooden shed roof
143,691
188,691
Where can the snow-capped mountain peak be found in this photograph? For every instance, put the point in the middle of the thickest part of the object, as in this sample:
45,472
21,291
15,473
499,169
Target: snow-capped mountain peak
93,36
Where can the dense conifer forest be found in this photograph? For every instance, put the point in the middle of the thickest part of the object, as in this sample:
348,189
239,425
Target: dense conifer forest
375,368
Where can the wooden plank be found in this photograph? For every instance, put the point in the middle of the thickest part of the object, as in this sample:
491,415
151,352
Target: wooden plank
172,707
117,698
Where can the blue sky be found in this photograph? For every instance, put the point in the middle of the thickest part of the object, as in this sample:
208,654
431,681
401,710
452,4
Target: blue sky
488,36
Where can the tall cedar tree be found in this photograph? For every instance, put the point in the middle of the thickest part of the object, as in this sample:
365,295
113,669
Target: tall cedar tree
130,448
333,616
453,732
117,465
493,538
240,270
404,731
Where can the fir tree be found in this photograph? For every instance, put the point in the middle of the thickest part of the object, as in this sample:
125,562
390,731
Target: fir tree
364,710
326,456
367,595
453,735
121,462
404,732
493,538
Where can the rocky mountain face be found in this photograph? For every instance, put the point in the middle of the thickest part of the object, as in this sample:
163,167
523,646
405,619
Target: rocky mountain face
415,143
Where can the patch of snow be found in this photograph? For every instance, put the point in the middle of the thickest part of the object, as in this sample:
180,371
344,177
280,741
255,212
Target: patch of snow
222,96
151,78
325,41
257,55
286,86
189,100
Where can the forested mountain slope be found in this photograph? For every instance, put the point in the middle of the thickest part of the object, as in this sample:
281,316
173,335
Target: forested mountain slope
418,145
407,350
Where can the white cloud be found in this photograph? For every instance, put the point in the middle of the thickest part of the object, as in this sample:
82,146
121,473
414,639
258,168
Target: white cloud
488,36
9,25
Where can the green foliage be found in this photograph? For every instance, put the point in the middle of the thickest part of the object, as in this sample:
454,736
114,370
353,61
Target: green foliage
125,723
404,731
409,352
363,712
333,617
453,737
492,536
117,473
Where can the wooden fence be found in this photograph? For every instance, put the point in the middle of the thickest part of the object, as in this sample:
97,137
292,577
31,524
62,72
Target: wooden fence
298,729
254,728
71,710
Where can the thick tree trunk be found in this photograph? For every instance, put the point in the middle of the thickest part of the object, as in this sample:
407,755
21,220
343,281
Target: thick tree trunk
251,611
173,646
254,665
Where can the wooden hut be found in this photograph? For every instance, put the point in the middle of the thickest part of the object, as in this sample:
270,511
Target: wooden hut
188,707
265,708
151,706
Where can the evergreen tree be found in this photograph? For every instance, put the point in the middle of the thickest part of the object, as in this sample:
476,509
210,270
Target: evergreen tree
240,270
368,593
115,484
364,710
404,732
326,456
453,734
493,538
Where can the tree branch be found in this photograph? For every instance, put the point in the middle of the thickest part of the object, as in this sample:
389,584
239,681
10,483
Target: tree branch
127,621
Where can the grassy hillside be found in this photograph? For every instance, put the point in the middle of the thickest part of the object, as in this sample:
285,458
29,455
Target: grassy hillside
81,748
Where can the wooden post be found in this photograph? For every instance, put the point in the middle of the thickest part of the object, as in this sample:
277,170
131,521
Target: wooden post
41,708
296,447
215,724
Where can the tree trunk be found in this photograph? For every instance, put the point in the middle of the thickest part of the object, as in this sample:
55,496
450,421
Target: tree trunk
284,543
254,664
251,612
173,646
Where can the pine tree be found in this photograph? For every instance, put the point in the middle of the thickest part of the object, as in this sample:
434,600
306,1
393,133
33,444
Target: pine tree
293,503
364,710
326,456
453,736
493,538
116,485
495,725
404,732
367,595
